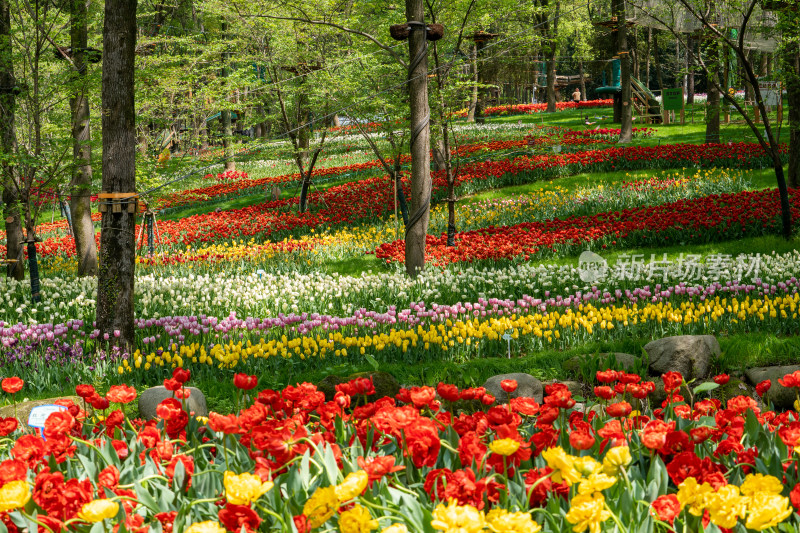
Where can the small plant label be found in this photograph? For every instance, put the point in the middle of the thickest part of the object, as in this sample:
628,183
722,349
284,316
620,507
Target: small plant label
507,336
40,413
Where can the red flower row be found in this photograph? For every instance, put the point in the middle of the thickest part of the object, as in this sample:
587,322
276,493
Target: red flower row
528,109
370,198
706,219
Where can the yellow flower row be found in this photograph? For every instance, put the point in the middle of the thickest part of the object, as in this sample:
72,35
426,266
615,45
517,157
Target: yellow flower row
548,328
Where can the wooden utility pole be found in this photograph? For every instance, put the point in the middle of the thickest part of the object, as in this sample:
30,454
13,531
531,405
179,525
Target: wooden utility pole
417,227
118,202
81,184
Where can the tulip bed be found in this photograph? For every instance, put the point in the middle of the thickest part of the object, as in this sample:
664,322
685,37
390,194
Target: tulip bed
527,109
429,460
283,325
716,217
372,198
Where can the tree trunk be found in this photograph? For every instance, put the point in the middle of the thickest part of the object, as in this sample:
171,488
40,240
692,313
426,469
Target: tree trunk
748,87
647,59
417,227
480,103
657,60
626,127
81,186
438,156
304,142
582,73
11,214
713,103
117,237
793,99
690,71
551,78
225,117
473,101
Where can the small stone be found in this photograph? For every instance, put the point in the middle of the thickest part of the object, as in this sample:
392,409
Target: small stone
150,398
527,387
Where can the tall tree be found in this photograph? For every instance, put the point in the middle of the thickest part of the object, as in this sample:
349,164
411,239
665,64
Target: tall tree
417,227
225,118
81,184
626,128
714,84
546,18
117,237
790,55
8,91
443,148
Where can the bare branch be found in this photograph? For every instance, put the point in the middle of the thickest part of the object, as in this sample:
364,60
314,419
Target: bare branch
387,49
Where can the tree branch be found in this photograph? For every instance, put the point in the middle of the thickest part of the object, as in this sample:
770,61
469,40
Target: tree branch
387,49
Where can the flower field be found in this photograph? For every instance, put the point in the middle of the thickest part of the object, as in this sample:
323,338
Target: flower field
253,303
372,198
429,459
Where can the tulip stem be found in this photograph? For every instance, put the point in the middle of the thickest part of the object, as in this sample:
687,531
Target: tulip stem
616,519
92,446
131,485
271,513
225,449
203,500
536,484
389,509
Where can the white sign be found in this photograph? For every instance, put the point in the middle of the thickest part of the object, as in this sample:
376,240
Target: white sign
507,337
39,414
770,92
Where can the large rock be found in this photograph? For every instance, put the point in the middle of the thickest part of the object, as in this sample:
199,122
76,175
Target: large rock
24,408
385,384
689,355
150,398
780,396
618,361
527,387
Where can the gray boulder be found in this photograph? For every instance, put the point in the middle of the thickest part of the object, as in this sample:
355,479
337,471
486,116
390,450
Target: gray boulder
527,387
689,355
780,396
150,398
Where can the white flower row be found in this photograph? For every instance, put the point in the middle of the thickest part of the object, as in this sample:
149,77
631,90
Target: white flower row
268,294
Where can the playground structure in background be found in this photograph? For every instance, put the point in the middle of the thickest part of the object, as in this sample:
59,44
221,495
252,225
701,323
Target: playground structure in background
645,104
